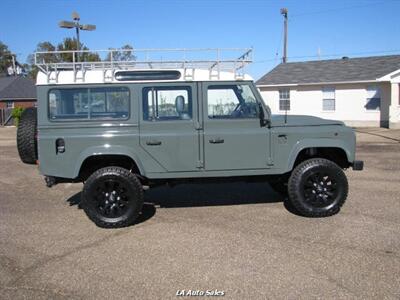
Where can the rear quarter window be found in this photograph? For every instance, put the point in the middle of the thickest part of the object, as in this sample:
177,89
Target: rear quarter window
89,103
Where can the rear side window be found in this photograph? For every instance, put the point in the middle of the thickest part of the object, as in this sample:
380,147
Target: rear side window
89,103
167,103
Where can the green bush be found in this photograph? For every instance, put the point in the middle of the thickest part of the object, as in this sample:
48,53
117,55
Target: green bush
16,114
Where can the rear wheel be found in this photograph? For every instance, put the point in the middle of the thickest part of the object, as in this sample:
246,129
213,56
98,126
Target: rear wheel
317,188
112,197
27,136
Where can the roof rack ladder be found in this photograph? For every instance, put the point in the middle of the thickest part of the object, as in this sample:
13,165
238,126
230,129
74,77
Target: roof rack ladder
47,74
239,70
188,74
107,74
74,65
215,74
50,72
82,71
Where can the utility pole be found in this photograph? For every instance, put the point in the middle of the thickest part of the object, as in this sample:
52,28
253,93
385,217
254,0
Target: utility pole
78,27
13,64
76,18
284,12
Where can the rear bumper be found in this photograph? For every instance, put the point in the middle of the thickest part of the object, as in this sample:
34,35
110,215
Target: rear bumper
358,165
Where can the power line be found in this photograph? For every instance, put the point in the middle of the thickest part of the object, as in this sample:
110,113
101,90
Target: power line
332,55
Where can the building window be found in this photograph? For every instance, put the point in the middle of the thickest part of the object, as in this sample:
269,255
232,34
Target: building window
167,103
89,103
284,99
10,104
328,99
373,98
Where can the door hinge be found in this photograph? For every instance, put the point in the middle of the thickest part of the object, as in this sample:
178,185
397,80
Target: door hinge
197,126
270,161
199,164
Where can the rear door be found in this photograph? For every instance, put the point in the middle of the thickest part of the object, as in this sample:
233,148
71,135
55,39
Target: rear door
167,129
233,137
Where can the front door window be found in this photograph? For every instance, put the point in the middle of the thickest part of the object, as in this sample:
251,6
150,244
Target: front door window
231,102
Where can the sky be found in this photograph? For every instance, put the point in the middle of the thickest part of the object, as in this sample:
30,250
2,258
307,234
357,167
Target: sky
317,29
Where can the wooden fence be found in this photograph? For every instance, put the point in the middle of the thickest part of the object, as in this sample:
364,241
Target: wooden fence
5,117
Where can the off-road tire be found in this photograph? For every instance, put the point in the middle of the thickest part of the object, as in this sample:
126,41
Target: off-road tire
305,196
93,196
27,136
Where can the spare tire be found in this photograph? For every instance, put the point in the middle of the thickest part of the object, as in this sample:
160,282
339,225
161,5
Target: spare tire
27,136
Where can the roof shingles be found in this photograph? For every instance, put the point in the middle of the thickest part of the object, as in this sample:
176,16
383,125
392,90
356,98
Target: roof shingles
333,70
17,88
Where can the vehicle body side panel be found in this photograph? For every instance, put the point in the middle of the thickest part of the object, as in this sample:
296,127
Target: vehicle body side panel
287,142
245,144
278,149
86,138
178,148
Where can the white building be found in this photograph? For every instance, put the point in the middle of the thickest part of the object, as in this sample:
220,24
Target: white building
359,91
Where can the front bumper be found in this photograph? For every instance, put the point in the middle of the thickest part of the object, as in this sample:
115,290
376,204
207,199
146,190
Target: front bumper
358,165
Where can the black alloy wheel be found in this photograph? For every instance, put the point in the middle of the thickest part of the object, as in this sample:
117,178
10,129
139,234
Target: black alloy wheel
112,197
320,190
317,188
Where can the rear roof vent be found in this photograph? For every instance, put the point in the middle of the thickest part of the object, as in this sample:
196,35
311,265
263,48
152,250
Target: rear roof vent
147,75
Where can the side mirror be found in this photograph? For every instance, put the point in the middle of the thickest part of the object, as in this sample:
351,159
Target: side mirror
263,121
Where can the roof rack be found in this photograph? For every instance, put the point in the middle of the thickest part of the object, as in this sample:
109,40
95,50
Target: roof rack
215,60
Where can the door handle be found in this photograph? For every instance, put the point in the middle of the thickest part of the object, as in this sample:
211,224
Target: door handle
216,141
60,146
153,143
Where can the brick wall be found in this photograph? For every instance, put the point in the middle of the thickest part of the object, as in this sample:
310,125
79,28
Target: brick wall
19,103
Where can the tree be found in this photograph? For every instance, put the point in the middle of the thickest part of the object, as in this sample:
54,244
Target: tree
123,54
42,57
5,58
71,44
68,44
6,61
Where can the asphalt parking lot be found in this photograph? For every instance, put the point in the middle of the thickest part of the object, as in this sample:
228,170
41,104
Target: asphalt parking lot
236,238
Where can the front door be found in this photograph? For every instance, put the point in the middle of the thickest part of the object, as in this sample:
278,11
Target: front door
167,129
233,138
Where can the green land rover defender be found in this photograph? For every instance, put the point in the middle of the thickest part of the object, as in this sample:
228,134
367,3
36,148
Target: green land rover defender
123,127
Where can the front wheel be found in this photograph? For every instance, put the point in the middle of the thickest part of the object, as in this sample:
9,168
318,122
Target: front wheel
317,188
112,197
